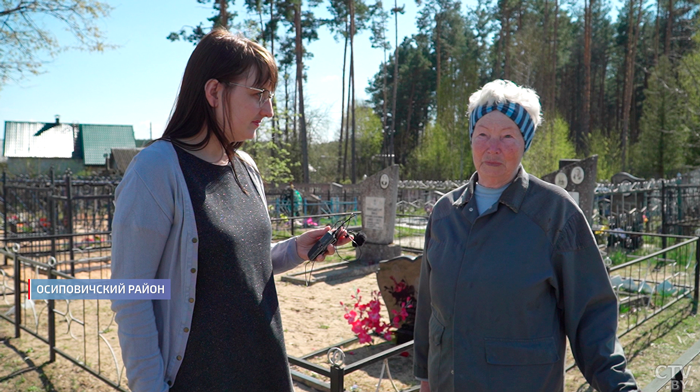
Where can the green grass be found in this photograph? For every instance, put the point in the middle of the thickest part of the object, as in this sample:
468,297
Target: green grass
401,232
659,341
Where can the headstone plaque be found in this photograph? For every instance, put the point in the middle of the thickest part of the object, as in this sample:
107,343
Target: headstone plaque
373,217
378,198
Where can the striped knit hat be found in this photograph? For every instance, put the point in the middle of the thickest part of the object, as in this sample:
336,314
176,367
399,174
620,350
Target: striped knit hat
514,111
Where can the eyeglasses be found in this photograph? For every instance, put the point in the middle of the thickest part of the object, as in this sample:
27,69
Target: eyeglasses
263,94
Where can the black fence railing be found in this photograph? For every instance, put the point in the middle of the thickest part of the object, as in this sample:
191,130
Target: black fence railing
82,331
63,218
663,271
337,370
655,206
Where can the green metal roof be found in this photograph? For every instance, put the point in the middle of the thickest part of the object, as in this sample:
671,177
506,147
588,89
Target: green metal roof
98,140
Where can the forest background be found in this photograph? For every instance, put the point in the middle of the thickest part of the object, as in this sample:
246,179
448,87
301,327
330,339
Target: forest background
625,87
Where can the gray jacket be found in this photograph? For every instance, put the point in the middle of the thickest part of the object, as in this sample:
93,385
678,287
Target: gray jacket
154,236
500,293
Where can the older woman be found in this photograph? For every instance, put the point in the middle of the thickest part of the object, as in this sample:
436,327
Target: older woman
511,269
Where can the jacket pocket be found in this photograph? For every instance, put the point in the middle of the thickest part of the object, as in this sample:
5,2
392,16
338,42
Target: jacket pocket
436,330
521,351
437,361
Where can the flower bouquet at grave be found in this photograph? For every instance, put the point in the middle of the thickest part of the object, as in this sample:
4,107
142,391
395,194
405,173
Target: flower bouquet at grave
365,318
404,296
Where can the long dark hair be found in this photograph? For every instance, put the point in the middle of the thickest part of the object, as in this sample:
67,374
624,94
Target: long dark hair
225,57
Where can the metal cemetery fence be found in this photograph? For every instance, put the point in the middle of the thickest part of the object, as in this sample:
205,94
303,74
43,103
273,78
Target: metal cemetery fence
82,331
654,206
321,204
338,370
654,277
61,218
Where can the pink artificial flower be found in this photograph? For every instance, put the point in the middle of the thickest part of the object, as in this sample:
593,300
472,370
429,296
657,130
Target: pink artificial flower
364,337
350,316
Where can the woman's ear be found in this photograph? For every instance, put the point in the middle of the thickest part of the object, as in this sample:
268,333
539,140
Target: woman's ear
212,90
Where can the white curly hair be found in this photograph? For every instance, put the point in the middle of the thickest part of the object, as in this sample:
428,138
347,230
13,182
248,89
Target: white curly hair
499,90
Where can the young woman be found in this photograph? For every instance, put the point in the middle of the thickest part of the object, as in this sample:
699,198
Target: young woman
191,208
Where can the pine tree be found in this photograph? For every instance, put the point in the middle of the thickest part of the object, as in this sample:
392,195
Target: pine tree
659,152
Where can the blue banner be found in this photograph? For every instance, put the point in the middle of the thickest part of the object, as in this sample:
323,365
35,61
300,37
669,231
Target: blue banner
144,289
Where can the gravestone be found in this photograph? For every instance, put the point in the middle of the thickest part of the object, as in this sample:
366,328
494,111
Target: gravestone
565,162
624,177
398,282
579,179
378,197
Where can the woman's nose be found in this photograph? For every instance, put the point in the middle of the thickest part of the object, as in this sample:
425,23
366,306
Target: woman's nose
494,144
266,110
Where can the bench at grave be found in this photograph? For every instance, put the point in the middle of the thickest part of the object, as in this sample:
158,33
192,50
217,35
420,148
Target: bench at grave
398,283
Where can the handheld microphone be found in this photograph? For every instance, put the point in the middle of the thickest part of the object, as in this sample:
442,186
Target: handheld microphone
331,237
320,247
359,239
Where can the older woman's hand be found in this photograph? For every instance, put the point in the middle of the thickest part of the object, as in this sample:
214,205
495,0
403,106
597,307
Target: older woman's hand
307,240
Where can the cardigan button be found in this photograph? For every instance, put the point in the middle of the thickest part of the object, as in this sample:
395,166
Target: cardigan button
194,240
471,209
193,270
179,357
170,383
191,300
186,330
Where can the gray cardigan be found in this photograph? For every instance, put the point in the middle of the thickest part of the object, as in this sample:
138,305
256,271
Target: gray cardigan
154,236
500,293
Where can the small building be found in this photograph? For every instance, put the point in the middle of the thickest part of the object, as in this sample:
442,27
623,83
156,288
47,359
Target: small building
95,143
34,147
121,158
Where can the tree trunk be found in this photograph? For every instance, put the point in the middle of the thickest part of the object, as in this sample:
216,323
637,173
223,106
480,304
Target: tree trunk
300,89
633,27
657,31
438,54
669,30
520,15
342,108
547,104
295,115
506,45
554,53
407,134
286,107
602,116
273,28
498,69
347,127
353,166
384,105
586,112
396,86
223,14
262,29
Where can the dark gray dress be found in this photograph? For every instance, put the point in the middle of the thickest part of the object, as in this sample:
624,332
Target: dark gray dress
236,341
